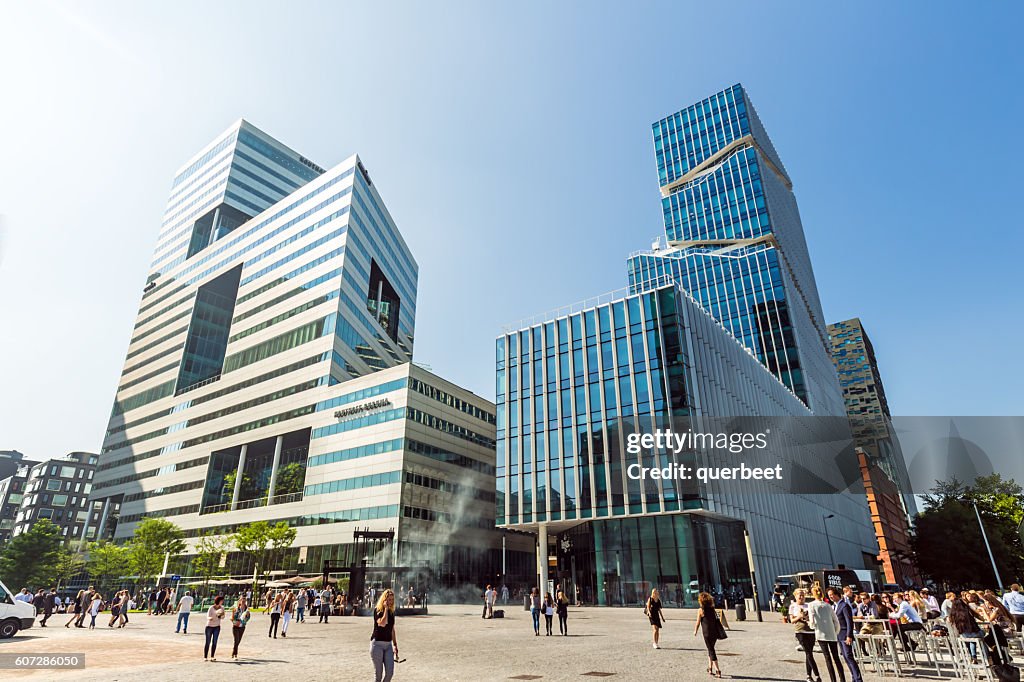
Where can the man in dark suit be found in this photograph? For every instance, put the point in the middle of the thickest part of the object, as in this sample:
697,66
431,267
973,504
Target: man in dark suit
843,605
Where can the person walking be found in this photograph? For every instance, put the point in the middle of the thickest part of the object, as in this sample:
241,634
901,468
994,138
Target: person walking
653,611
239,619
287,608
504,595
86,604
115,610
535,610
490,596
325,605
76,609
50,602
383,642
214,616
275,616
826,630
184,610
94,609
300,605
800,618
843,605
126,605
711,628
562,609
549,612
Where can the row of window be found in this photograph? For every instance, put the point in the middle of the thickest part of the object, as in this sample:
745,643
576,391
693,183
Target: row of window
425,481
451,401
308,305
327,276
343,516
281,343
167,469
355,483
166,490
228,243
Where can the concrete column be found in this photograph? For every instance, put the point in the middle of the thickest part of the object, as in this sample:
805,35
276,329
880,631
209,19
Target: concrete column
238,479
542,557
274,467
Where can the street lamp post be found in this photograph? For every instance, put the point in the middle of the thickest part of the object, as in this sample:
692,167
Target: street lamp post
824,519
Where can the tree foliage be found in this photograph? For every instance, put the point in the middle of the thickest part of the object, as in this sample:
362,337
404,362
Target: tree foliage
69,564
31,559
263,543
290,478
107,561
152,541
948,542
209,552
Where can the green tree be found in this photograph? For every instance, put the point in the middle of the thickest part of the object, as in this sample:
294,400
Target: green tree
947,540
152,541
263,543
248,491
31,559
209,552
107,561
69,564
290,478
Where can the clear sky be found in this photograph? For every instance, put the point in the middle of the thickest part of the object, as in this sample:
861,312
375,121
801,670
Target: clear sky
512,144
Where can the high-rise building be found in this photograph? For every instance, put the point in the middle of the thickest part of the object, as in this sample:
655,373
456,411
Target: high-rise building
884,469
12,492
57,489
736,243
268,375
724,323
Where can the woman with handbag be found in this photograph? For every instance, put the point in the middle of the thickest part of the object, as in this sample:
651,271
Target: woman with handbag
653,611
800,619
711,628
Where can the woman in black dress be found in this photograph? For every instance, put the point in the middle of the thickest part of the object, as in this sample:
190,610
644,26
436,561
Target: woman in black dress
707,623
653,611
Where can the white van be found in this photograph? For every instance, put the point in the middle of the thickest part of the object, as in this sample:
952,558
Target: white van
14,615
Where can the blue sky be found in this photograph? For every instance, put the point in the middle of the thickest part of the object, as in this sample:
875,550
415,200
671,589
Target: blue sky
512,145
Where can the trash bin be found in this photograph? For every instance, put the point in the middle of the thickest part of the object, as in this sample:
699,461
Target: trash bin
741,610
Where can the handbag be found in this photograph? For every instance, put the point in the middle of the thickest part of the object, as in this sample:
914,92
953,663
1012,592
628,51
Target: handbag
720,634
1005,672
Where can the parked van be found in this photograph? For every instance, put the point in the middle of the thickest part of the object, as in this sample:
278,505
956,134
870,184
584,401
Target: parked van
14,615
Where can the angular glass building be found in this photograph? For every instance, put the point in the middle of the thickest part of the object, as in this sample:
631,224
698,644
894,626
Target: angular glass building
268,375
736,242
724,323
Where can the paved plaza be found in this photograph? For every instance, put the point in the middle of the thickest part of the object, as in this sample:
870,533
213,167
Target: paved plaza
452,643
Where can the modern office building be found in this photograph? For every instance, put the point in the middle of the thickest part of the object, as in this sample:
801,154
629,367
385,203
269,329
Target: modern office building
873,432
268,375
889,518
12,492
736,243
725,322
57,489
11,461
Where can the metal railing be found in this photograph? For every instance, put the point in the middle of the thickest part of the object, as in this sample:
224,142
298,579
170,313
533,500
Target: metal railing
253,503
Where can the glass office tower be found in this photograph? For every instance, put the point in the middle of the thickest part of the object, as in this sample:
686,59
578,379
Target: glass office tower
268,374
736,242
723,322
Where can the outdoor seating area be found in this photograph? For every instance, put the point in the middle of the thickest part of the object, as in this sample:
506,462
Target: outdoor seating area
951,655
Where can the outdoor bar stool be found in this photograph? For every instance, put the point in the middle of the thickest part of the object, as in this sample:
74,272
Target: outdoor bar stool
865,654
965,667
883,648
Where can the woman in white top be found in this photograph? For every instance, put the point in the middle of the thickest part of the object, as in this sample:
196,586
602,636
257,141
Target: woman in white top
822,617
213,619
799,616
94,609
274,610
286,611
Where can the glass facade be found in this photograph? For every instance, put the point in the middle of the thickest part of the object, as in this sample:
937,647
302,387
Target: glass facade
736,242
723,321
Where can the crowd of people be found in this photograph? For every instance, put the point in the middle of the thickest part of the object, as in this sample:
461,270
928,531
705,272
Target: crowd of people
833,618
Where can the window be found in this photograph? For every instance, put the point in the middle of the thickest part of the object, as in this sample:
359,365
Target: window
60,500
45,514
53,485
67,472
